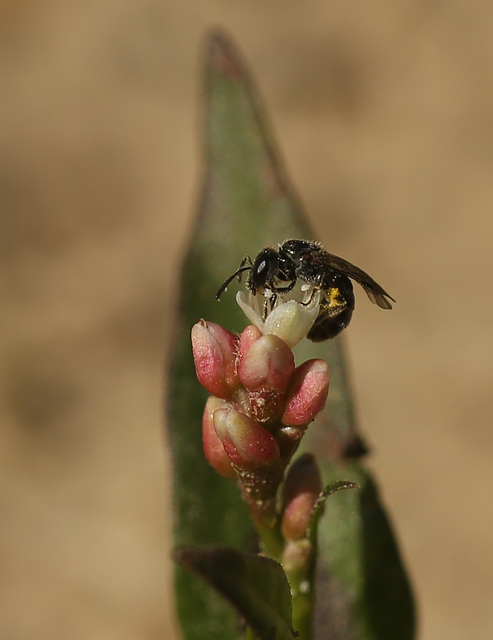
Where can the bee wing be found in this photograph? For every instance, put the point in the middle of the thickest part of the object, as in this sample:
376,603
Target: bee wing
374,291
378,297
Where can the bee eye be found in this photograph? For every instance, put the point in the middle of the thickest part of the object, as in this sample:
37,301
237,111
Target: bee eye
262,266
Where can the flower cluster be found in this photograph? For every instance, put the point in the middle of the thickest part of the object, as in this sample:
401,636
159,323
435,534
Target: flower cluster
260,404
259,407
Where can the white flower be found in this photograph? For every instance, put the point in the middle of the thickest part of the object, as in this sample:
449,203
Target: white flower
290,317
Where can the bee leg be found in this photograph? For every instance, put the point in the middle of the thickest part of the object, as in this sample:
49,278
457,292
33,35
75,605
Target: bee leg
268,305
315,290
285,289
272,300
265,311
245,265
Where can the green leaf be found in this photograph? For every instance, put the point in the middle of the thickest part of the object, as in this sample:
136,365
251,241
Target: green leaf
244,205
318,509
254,585
361,584
247,203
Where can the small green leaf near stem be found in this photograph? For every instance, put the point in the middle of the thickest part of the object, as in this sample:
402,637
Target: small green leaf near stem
338,485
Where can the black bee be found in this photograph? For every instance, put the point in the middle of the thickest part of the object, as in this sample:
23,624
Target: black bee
278,271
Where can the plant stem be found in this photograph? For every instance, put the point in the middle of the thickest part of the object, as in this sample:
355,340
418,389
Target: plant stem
271,542
298,563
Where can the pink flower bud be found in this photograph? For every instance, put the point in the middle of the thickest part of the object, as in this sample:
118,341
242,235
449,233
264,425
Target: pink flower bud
214,352
301,490
213,447
250,335
268,364
307,393
247,444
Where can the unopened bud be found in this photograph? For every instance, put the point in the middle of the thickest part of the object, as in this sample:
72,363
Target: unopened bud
247,444
307,393
213,447
268,364
214,354
301,490
249,335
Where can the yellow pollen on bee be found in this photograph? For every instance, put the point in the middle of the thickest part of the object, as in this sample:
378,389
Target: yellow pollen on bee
335,299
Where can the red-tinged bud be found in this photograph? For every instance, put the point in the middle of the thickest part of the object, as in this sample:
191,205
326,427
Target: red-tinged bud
214,353
213,447
250,335
307,393
301,490
268,364
247,444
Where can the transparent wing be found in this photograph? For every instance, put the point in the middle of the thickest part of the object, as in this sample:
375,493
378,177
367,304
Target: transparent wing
374,291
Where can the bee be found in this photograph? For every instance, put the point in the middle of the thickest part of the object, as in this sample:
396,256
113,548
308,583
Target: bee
275,273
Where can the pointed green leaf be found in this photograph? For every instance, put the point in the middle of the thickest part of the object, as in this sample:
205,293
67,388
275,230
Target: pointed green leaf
246,203
254,585
361,583
318,509
242,185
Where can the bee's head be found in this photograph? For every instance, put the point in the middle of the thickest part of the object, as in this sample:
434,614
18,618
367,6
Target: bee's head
264,269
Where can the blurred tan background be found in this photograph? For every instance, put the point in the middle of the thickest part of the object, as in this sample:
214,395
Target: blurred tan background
384,114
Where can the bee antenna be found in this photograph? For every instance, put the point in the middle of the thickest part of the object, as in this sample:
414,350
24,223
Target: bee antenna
224,285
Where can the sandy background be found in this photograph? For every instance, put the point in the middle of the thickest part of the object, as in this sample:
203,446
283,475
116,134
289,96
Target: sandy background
384,113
